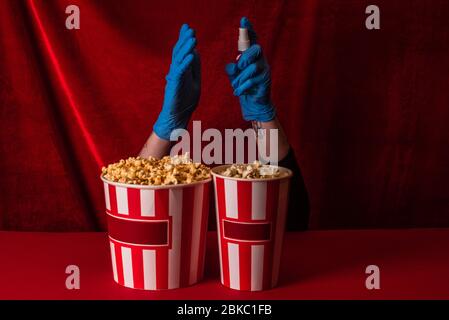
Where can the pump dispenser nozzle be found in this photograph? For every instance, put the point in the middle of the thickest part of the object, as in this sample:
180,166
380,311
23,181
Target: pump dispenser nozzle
243,43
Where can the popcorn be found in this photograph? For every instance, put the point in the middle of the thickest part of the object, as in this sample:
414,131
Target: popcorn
152,171
256,170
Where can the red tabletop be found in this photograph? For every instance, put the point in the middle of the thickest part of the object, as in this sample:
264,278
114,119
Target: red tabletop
315,265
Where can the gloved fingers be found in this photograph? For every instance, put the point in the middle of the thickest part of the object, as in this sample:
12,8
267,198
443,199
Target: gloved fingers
248,84
244,23
184,35
190,33
185,27
187,48
186,63
232,70
182,30
245,86
247,73
249,56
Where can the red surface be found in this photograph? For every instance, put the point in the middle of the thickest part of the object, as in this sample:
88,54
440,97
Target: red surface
315,265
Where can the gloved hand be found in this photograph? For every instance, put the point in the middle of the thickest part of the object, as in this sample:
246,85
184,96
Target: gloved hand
251,80
182,91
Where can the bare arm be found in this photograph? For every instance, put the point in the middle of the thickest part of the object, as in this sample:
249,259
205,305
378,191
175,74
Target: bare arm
263,139
182,92
155,147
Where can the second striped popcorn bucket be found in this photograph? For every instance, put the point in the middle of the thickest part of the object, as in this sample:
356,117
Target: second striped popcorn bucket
157,234
251,215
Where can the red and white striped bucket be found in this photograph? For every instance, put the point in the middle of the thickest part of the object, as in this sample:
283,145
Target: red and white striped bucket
251,218
157,234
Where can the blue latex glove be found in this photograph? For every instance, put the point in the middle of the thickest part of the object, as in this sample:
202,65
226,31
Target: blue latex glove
251,80
182,91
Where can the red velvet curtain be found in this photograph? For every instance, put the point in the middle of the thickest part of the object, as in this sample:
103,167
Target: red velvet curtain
366,112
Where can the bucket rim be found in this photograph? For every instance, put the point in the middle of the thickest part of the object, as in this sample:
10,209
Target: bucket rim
151,187
215,172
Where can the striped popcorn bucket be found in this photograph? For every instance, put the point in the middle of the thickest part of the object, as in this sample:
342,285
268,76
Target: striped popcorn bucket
157,234
251,218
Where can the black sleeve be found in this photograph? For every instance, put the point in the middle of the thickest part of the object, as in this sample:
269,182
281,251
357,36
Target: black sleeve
298,206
